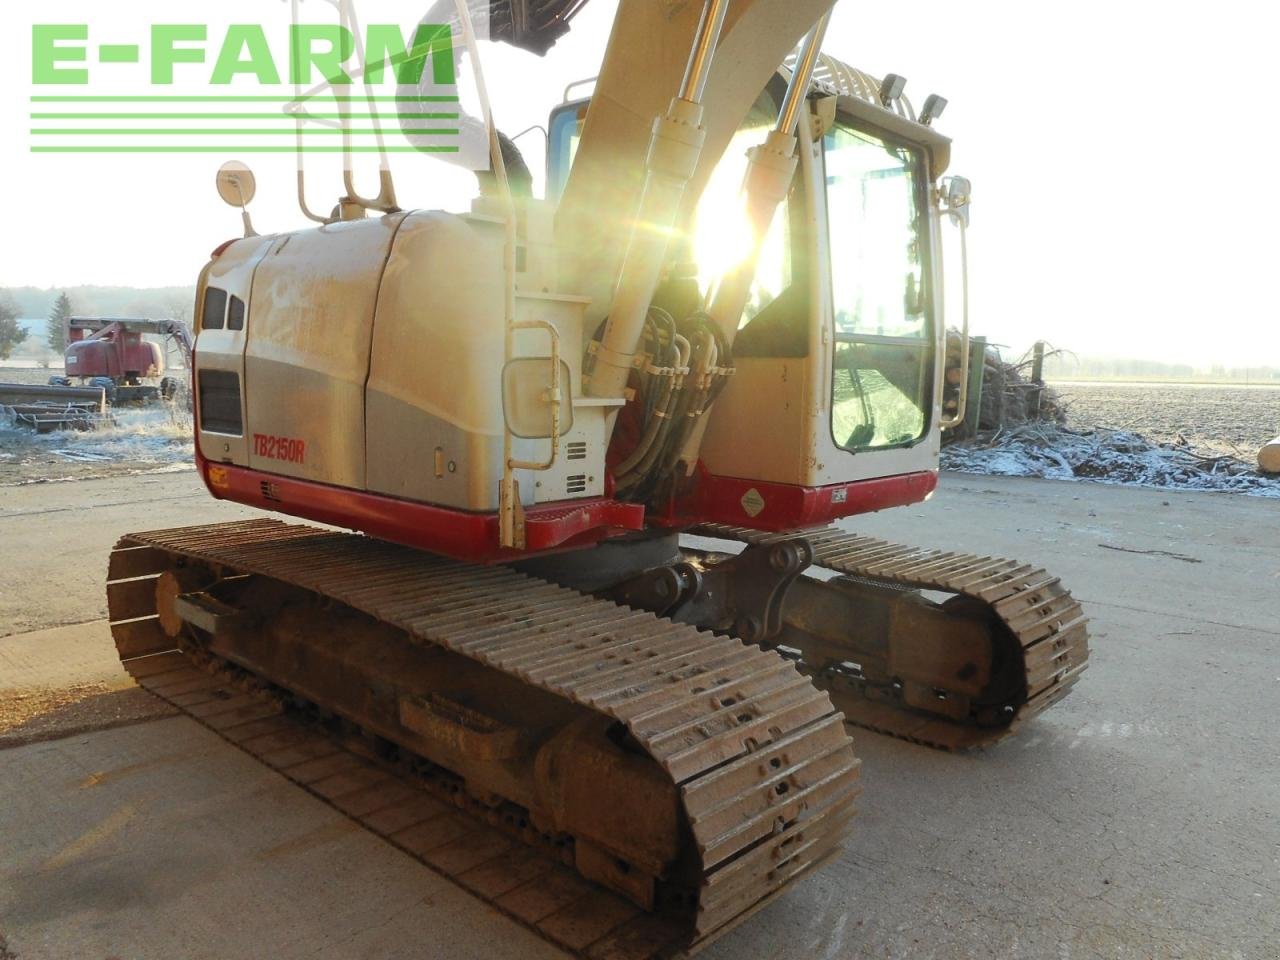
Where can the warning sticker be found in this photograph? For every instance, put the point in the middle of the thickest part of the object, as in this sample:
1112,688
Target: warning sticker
752,502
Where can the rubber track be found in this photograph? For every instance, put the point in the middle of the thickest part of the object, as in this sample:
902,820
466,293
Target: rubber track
764,767
1049,624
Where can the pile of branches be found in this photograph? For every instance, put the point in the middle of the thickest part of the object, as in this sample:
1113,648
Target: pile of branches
1055,452
1009,395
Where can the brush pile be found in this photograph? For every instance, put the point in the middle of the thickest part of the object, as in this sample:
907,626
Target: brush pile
1055,452
1023,432
1009,395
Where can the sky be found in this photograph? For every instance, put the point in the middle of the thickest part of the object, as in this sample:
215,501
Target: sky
1120,155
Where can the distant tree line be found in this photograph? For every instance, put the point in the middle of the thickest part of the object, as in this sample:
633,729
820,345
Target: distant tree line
171,303
31,303
1067,366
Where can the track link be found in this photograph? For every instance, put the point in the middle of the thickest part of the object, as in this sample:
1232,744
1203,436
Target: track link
1048,623
763,765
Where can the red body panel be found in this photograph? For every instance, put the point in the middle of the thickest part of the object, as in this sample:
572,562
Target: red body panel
780,506
455,533
573,524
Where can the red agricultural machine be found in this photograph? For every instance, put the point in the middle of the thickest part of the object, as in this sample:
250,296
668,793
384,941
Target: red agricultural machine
112,353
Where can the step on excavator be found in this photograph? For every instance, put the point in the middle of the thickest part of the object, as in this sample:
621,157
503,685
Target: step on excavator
595,642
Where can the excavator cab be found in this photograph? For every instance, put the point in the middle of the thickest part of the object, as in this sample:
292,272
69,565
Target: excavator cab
837,353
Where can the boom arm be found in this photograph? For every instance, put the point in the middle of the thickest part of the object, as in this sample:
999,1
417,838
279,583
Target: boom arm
643,69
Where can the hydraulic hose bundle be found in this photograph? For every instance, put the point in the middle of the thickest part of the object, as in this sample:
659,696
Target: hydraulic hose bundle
682,369
664,365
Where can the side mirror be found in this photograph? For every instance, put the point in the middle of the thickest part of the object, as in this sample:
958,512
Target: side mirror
236,184
237,187
534,407
956,196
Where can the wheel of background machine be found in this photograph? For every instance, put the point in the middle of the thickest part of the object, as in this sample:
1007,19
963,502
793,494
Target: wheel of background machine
107,384
59,381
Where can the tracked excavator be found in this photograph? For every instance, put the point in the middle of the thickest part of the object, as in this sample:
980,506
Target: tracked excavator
580,628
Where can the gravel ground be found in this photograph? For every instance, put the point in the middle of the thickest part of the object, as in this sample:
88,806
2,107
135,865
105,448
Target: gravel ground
1136,820
1213,420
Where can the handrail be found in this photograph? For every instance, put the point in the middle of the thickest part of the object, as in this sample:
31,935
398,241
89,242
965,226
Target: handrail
576,83
960,216
881,339
553,398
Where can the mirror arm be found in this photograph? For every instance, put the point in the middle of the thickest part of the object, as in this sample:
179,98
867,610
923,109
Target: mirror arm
960,217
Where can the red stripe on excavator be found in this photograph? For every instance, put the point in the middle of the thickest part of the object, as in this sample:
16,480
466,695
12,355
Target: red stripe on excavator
782,506
455,533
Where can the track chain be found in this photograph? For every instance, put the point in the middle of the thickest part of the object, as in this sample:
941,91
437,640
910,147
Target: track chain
763,764
1049,624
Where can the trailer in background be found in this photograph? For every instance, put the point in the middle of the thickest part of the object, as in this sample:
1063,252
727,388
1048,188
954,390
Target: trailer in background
55,407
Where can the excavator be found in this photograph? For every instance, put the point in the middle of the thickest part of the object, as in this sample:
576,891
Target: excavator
578,625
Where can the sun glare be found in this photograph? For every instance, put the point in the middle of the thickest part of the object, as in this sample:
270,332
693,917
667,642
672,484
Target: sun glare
722,230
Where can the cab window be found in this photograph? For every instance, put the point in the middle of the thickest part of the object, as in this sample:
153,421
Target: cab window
563,137
883,377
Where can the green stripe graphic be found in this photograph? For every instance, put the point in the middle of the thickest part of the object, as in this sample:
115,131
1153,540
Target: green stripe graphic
307,115
244,99
311,148
224,132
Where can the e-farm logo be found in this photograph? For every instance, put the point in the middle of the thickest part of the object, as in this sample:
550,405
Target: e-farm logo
198,89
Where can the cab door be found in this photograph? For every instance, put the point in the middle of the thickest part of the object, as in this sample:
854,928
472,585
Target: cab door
878,382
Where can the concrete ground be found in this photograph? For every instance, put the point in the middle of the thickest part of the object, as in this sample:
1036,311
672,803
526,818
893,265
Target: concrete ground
1139,818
